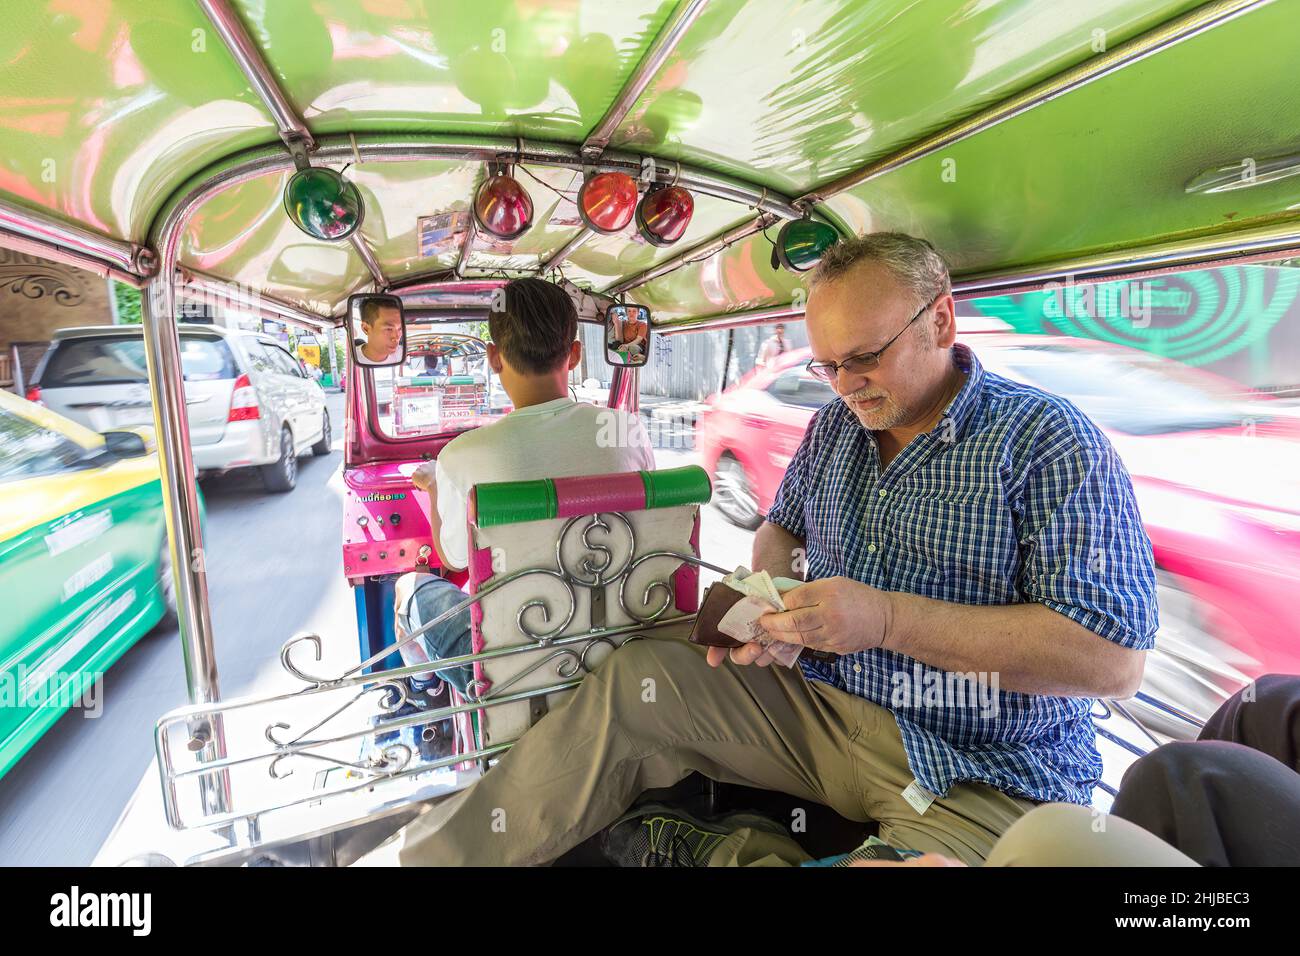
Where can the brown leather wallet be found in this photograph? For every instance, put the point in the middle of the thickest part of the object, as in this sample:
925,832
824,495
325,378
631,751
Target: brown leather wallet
718,600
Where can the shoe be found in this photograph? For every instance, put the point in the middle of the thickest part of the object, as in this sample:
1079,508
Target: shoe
418,700
427,693
657,835
438,744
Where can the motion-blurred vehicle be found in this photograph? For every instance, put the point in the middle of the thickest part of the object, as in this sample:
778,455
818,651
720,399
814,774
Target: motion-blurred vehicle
1216,473
250,403
84,568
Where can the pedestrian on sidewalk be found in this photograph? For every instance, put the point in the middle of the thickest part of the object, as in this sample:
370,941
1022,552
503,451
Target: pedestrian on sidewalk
772,349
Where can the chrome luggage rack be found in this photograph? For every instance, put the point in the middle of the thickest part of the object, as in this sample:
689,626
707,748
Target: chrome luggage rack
1105,710
239,754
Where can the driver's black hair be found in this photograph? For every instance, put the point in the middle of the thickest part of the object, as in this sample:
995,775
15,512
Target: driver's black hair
370,309
536,327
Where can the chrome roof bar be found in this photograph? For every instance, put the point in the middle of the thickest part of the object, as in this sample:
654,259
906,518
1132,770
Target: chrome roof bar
660,49
38,233
1259,244
1158,38
293,129
249,59
695,253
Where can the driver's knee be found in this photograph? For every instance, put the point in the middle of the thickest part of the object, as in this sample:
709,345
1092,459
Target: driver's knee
419,600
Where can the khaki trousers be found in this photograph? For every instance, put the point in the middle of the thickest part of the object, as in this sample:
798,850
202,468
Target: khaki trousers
655,711
1066,834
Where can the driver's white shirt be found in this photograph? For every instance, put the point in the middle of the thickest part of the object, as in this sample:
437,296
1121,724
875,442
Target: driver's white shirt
556,439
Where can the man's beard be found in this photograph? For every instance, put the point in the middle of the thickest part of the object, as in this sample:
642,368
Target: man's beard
888,414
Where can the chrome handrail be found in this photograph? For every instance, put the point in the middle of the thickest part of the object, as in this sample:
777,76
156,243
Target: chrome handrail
580,568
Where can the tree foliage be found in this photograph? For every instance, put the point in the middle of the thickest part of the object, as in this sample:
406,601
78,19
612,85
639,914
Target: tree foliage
127,301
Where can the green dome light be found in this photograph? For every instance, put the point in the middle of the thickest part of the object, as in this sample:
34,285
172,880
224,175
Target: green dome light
323,204
801,243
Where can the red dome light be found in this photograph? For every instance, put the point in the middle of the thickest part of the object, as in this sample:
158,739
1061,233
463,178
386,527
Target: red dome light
607,202
664,214
503,207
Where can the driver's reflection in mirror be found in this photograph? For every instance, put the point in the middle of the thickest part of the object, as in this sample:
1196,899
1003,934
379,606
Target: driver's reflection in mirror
627,338
381,328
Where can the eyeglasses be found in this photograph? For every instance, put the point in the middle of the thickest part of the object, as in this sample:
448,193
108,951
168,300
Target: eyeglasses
865,362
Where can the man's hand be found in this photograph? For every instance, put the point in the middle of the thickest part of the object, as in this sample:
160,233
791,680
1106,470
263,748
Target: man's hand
747,654
839,615
422,477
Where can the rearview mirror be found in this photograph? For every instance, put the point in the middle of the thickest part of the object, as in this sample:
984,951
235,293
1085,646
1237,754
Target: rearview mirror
627,335
378,325
125,444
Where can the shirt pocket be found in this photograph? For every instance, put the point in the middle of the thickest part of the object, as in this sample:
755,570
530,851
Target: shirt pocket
956,549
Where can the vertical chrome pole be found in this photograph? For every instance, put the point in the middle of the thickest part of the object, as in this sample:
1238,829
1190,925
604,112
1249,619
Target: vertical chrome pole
184,532
334,364
624,389
632,402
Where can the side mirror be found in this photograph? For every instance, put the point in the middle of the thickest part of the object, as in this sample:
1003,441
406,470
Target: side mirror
125,444
627,335
378,326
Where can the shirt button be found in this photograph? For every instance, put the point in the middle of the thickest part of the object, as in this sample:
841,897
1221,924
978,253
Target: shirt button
871,548
883,492
857,668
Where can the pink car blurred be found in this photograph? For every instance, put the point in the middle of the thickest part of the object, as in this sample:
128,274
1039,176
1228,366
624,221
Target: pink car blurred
1216,470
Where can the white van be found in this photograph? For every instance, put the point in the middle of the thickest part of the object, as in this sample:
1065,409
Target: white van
250,403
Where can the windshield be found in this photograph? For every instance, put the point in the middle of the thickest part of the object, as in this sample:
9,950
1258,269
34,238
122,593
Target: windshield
797,387
445,384
27,450
1132,392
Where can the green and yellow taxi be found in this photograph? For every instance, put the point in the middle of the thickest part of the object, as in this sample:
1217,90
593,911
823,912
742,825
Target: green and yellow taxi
84,571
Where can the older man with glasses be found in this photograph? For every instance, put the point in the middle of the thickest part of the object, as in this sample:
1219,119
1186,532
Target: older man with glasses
976,572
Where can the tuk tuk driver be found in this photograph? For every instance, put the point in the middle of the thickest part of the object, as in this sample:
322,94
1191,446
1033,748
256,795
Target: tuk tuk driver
532,349
382,325
973,556
631,347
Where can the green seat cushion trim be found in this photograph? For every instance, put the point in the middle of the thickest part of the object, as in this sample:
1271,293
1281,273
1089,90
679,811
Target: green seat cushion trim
670,487
510,502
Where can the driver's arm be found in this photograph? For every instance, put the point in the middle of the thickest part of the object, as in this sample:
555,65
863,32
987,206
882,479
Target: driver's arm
425,479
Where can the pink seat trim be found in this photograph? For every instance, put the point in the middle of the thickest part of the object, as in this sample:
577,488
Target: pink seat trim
686,579
589,494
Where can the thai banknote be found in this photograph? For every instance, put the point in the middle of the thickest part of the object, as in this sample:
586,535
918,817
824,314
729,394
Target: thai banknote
741,621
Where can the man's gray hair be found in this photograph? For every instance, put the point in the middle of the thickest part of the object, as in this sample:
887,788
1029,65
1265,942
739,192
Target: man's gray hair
914,263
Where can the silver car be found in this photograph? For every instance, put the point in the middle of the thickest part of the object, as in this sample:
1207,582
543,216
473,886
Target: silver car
250,403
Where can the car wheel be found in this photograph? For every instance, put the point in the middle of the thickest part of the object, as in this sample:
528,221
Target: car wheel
166,586
282,474
734,495
326,443
1190,667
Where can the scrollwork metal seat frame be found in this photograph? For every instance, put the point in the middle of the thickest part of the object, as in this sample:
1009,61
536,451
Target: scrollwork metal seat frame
573,655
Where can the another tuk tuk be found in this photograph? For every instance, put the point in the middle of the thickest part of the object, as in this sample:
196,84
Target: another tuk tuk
692,157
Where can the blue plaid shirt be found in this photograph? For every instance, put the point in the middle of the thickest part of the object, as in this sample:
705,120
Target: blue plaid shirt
1015,496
